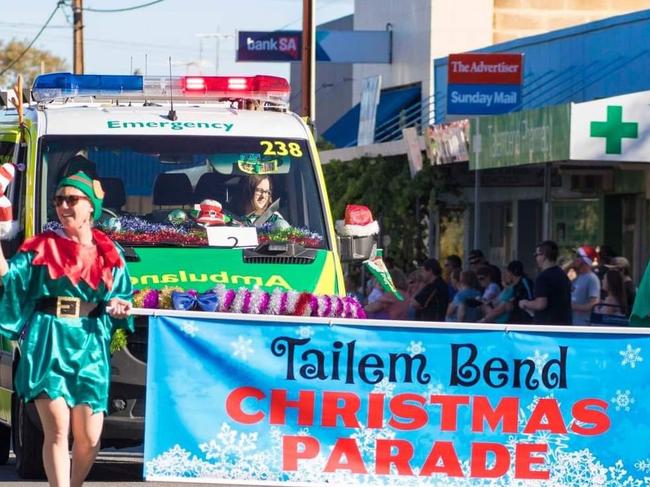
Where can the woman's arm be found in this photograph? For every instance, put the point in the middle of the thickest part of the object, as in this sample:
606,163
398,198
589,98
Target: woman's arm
490,313
461,312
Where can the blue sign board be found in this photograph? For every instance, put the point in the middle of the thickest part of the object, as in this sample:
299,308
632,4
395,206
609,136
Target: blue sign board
331,46
475,99
257,399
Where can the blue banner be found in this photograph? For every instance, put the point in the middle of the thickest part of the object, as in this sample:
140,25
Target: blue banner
475,99
263,400
336,46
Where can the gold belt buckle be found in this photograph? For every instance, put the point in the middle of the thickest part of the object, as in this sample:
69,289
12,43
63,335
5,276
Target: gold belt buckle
67,307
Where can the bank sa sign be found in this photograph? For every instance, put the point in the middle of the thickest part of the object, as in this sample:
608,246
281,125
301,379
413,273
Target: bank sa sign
483,84
269,46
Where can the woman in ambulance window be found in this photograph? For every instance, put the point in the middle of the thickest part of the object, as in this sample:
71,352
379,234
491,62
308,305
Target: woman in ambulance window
258,196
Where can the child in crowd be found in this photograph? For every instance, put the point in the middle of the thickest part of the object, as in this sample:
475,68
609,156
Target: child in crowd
463,306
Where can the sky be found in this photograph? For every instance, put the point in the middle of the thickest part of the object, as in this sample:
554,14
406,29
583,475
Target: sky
116,41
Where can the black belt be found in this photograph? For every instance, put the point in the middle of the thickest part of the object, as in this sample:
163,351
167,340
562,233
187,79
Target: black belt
69,307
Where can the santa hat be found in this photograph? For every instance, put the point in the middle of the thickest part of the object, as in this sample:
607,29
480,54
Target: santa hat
210,213
587,254
358,222
7,225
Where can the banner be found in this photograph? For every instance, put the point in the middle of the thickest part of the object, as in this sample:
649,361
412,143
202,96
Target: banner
270,400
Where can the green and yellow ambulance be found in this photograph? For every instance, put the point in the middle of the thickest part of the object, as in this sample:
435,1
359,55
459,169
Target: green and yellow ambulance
161,146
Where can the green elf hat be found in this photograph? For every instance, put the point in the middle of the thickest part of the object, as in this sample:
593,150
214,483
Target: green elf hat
92,188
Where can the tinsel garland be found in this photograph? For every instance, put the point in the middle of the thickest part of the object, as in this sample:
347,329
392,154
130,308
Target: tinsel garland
132,230
260,302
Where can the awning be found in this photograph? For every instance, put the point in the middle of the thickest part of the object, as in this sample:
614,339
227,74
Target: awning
343,133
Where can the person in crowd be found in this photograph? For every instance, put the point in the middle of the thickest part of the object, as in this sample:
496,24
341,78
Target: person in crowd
415,285
604,260
497,310
452,262
465,306
585,291
623,265
476,260
552,303
489,287
615,302
431,302
352,287
522,288
374,291
65,293
388,306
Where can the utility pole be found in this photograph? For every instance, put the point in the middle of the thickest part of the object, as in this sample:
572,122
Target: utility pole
308,72
78,37
217,36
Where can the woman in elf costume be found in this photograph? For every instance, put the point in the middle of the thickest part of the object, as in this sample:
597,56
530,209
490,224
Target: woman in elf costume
65,292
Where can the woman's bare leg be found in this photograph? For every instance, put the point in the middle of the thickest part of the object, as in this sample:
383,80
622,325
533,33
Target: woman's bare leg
86,430
55,418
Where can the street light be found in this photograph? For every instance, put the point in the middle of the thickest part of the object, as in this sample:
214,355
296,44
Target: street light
217,36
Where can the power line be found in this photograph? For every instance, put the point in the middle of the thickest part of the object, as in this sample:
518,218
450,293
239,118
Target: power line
126,9
29,46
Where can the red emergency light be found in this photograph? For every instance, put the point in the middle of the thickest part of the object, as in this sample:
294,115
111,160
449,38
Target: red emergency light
261,87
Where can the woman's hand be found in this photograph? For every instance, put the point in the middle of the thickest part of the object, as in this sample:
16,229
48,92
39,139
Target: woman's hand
118,308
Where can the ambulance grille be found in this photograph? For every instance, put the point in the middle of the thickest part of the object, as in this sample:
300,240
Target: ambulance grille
277,260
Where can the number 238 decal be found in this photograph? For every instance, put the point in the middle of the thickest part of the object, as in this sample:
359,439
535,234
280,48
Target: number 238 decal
279,148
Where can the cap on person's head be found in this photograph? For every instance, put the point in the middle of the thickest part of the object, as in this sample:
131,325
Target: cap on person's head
432,265
90,187
620,263
587,254
475,256
516,268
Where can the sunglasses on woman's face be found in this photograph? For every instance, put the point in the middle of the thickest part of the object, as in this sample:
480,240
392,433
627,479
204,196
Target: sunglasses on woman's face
71,200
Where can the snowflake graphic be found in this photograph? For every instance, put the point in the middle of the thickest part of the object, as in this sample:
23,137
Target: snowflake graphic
643,465
415,348
242,347
384,387
540,359
189,327
435,389
623,400
305,331
631,356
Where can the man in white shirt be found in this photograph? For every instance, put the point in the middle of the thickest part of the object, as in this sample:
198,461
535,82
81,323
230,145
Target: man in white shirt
585,289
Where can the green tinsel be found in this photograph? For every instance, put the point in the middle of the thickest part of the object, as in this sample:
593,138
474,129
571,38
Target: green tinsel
118,341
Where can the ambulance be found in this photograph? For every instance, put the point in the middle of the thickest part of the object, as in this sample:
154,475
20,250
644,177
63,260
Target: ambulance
161,146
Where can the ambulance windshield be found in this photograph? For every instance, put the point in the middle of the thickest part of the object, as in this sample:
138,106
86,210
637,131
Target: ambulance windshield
163,190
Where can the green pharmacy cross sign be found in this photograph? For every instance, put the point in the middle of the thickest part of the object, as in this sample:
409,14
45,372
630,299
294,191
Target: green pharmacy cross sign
614,129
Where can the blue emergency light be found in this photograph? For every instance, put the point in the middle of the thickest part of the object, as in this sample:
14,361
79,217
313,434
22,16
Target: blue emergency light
67,85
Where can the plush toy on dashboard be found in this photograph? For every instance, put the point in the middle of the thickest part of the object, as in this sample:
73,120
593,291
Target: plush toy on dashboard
210,214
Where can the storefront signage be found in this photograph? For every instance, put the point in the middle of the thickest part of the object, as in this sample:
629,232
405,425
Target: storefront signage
529,137
331,46
612,129
270,400
483,84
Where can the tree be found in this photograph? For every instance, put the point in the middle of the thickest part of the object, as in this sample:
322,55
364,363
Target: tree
32,63
400,203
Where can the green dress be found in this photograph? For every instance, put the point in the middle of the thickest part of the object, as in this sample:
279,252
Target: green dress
60,357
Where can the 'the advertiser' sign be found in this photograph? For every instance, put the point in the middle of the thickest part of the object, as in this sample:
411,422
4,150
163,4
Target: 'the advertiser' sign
485,69
271,399
483,84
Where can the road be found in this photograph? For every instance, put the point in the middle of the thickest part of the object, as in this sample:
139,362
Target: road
112,468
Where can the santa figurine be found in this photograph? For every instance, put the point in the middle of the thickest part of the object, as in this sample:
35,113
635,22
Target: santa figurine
210,213
7,225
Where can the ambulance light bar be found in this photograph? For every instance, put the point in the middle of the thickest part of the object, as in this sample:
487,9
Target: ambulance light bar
50,87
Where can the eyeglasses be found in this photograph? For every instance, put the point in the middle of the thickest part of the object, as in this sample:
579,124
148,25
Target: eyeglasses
262,192
71,200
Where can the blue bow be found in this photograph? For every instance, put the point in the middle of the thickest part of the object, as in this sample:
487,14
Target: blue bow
207,301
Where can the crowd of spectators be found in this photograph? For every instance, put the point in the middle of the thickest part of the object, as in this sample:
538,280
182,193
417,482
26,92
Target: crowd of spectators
590,288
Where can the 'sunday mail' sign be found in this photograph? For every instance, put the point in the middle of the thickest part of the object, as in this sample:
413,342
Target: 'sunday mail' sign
270,400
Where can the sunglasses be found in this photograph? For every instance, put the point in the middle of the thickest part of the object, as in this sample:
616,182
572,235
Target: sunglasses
71,200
